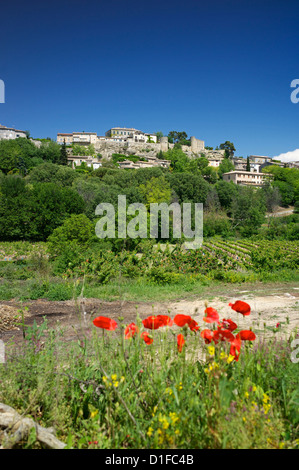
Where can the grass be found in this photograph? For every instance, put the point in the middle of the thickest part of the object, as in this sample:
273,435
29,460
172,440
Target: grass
20,283
105,391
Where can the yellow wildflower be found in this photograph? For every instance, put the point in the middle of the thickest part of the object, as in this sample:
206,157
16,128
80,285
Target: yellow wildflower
230,358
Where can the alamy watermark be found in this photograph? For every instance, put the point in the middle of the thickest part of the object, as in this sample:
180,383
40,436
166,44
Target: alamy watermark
295,93
2,91
147,224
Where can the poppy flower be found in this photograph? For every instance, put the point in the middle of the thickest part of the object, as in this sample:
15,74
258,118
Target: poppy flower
211,315
228,324
247,335
165,320
222,335
193,325
241,307
235,347
152,322
147,339
105,322
207,335
182,320
180,342
131,330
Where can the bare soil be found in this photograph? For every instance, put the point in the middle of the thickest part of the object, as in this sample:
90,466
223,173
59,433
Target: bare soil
269,305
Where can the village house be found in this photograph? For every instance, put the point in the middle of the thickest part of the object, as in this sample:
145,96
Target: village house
247,178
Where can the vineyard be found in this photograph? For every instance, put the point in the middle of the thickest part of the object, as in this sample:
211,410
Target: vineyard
218,259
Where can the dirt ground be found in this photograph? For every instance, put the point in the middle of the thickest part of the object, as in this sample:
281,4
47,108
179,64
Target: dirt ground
269,305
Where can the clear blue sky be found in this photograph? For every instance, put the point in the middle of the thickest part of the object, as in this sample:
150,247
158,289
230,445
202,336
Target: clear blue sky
219,70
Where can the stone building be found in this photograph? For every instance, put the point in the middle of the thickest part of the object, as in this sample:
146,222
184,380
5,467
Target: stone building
7,133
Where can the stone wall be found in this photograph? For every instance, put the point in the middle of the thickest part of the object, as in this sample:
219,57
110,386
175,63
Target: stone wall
106,149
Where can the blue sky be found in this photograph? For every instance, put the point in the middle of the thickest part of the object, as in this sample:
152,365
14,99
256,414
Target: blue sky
218,70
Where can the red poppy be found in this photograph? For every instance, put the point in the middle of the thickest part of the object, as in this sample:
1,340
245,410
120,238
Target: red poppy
147,339
105,322
180,342
131,330
228,324
235,347
193,325
165,320
211,315
247,335
182,320
152,322
241,307
207,335
222,335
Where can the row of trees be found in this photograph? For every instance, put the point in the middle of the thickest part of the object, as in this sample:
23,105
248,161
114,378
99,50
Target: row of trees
32,206
21,155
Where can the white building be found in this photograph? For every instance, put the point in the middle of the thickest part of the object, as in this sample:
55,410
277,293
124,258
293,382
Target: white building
81,138
247,178
129,134
7,133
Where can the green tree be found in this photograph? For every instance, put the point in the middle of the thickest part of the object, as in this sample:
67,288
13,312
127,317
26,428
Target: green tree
247,164
156,190
229,148
76,229
159,135
63,155
248,210
225,166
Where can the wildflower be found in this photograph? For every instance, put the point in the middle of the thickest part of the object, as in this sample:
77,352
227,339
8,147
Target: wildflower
211,315
266,407
180,342
207,335
152,322
193,325
265,398
165,320
241,307
113,377
105,323
174,417
235,347
131,330
147,339
211,350
182,320
230,358
228,324
180,386
222,335
150,431
247,335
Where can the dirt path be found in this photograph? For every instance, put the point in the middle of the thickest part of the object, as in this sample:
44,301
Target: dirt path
269,305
